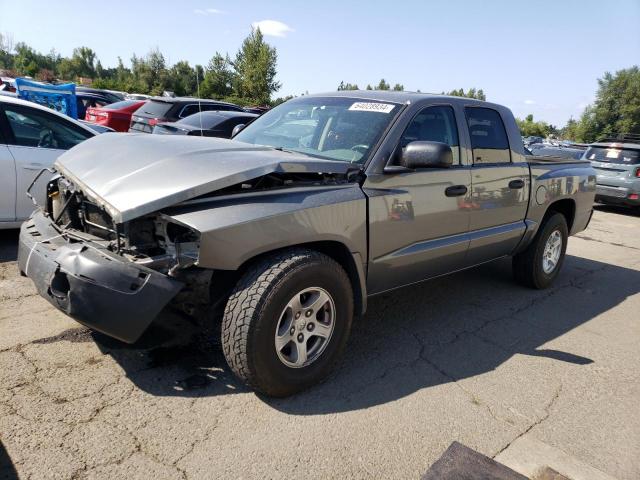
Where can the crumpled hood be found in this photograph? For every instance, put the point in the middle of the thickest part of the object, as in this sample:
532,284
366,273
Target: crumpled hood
135,174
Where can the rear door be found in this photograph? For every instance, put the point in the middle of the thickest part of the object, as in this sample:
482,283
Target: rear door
417,227
499,188
7,176
36,139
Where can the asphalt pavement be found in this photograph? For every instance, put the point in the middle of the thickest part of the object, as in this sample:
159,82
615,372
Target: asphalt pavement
472,358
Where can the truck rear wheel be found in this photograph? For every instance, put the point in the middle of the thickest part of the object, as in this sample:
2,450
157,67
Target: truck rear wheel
287,321
539,265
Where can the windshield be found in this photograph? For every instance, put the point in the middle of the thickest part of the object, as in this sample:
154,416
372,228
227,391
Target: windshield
613,155
335,128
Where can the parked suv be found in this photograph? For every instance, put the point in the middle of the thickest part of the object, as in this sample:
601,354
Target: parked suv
617,164
171,109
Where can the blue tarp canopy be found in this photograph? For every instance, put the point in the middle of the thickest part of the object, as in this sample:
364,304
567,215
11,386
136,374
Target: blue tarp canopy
61,98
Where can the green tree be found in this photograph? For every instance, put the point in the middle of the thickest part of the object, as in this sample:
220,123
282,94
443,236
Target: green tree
182,78
528,127
616,108
383,85
218,78
472,93
347,86
25,60
6,49
81,64
255,69
398,87
570,130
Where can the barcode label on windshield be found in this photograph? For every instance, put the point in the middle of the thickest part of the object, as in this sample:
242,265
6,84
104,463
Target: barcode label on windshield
372,107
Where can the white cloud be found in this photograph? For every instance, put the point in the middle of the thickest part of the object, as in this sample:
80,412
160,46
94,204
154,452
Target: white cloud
272,28
529,102
207,11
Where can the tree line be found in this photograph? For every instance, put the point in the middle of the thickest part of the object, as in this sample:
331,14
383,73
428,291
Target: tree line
249,77
616,109
384,85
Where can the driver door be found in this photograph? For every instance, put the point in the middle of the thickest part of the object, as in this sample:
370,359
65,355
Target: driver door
419,220
36,139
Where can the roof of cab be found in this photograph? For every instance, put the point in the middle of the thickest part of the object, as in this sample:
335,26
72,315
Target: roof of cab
398,97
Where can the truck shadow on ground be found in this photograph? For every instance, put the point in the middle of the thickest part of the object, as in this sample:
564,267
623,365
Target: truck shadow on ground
7,469
437,332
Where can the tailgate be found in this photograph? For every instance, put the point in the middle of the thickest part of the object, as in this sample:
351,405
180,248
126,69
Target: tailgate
140,124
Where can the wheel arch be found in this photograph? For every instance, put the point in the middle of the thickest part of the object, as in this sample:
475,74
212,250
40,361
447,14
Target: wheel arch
564,206
350,261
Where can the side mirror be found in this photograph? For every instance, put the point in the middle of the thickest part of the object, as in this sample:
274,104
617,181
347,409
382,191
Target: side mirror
236,129
424,154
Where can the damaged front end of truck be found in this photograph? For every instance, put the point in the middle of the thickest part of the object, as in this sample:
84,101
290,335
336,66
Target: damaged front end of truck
113,250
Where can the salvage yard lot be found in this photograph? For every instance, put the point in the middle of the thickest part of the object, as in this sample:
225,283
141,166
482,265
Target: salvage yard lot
471,357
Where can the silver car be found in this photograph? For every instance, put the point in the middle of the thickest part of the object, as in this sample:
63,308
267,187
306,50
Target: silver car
617,164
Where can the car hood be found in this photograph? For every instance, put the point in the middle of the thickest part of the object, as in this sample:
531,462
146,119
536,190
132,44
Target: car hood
131,175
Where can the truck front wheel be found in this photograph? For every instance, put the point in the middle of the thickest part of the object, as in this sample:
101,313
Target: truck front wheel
539,265
287,321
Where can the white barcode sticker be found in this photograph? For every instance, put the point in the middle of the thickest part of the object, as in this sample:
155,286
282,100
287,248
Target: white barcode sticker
372,107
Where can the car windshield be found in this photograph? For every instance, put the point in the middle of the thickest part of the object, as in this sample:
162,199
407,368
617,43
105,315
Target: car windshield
335,128
613,155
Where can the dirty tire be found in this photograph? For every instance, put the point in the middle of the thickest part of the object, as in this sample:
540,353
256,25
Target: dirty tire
253,311
528,265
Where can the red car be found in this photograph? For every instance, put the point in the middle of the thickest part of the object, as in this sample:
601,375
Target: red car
115,115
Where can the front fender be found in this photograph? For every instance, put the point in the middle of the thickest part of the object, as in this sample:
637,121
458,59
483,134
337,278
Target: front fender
236,228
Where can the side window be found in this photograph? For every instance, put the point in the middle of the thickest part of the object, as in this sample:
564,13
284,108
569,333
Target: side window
188,110
488,136
436,124
218,108
33,128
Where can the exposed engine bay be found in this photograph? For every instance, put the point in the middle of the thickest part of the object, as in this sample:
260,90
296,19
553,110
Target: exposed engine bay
152,240
156,240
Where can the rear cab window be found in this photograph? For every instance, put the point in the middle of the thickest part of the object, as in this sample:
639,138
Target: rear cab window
488,136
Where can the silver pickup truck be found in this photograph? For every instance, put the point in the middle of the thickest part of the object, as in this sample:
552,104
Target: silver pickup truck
282,233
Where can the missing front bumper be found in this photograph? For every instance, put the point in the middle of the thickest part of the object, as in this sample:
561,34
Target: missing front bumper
91,284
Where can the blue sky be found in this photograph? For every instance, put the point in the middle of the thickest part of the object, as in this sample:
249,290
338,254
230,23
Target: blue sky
541,57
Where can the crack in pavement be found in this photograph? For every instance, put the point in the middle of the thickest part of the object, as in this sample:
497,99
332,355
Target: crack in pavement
547,414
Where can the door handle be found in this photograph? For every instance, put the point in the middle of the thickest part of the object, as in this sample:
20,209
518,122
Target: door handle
455,191
515,184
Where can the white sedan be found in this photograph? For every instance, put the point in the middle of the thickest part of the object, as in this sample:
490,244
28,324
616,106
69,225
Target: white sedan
31,138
